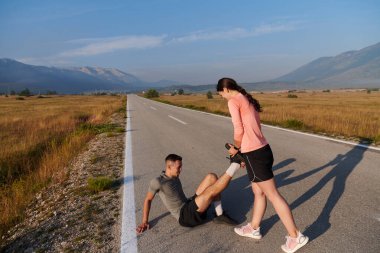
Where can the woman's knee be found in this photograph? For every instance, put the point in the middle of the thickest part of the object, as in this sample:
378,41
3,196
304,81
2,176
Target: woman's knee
257,191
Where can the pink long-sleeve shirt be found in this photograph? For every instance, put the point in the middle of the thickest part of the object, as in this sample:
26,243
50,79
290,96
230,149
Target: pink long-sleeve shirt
246,121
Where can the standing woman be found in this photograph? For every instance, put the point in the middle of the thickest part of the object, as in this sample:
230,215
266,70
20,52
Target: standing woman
249,139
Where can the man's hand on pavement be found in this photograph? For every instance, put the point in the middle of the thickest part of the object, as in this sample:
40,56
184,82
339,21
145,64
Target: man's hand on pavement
141,228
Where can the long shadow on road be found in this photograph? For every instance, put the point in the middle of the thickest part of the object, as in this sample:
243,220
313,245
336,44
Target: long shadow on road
343,166
239,193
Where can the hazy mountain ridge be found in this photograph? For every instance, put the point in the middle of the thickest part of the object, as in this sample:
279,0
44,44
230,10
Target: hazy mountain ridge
16,76
349,69
109,74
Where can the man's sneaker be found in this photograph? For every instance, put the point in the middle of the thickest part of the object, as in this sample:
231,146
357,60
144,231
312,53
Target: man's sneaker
293,244
249,231
238,158
225,219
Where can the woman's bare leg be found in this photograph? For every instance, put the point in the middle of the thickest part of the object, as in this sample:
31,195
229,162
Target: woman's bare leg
280,205
259,206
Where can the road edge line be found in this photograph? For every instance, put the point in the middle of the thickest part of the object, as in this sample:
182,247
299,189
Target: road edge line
128,234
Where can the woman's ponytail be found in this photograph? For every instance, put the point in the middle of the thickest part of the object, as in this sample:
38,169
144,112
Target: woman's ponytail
231,84
251,99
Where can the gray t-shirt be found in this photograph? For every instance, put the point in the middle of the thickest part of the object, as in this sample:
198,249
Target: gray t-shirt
170,191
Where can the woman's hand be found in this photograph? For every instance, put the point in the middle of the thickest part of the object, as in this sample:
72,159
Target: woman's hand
232,151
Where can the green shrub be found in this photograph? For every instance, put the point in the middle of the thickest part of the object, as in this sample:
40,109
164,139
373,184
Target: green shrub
51,92
98,184
152,93
294,124
25,92
20,98
209,95
292,96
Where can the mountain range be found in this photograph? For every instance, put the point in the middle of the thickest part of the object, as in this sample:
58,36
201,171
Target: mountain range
352,69
17,76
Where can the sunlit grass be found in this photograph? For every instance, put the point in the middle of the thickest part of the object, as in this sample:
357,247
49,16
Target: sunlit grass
341,113
39,137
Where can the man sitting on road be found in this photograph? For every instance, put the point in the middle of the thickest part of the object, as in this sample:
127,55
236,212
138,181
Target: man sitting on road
189,212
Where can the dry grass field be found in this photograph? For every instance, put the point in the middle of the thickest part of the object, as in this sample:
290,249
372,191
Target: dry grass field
350,114
39,137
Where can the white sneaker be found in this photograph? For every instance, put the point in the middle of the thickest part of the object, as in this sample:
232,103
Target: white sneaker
293,244
248,231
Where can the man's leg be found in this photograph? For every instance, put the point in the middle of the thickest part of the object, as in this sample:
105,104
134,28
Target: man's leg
204,200
209,180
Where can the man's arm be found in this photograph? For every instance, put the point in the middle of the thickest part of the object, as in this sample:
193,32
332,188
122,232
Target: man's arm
144,224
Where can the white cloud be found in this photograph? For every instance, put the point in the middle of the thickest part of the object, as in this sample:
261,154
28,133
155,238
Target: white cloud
267,29
236,33
202,35
96,46
108,45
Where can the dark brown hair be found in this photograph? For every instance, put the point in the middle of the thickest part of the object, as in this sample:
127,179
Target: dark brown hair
173,158
231,84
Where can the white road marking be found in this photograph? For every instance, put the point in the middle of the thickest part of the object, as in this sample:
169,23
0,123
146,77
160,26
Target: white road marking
128,234
153,108
180,121
284,129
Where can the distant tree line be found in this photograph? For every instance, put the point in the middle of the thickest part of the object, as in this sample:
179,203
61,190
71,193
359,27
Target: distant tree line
26,93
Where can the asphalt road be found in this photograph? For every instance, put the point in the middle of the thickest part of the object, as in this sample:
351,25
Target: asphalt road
332,188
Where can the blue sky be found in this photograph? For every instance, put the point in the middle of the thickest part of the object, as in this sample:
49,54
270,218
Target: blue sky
194,42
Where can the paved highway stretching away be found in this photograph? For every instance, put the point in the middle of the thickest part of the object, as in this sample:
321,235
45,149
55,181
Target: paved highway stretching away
332,188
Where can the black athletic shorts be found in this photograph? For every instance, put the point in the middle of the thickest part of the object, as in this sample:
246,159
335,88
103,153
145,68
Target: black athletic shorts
189,217
259,164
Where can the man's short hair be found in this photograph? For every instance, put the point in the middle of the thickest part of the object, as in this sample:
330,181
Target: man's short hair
173,158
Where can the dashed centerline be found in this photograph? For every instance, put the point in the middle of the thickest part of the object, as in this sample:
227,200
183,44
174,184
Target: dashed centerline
153,108
180,121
